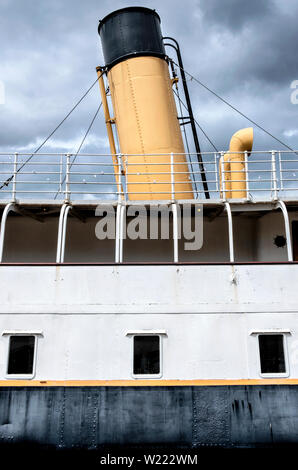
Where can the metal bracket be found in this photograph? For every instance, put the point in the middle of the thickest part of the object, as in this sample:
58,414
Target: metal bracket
175,232
281,205
60,233
121,208
230,226
62,226
9,207
15,208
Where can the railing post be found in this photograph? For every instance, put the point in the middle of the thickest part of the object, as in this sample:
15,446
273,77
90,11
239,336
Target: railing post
125,165
172,178
119,158
274,179
223,177
61,174
280,172
14,181
246,174
216,173
67,178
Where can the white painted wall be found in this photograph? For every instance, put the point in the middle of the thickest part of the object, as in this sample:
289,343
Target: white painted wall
96,347
149,289
208,313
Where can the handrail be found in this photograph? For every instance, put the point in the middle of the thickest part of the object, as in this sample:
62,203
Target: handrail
269,175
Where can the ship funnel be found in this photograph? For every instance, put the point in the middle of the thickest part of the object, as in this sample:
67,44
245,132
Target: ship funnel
233,163
144,108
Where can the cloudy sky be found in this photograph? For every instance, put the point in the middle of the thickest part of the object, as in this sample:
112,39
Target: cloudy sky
245,50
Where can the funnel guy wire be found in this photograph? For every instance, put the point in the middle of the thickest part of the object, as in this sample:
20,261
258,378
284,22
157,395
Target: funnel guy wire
6,183
81,144
235,109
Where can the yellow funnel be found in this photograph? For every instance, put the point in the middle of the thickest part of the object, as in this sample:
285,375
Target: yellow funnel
145,112
147,123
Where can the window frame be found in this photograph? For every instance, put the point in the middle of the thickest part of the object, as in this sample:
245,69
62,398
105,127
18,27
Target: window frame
160,335
21,376
268,375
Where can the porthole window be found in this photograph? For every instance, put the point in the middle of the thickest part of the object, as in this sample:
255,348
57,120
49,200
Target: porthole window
272,353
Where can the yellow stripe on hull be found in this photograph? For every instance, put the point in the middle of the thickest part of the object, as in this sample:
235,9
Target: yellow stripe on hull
142,382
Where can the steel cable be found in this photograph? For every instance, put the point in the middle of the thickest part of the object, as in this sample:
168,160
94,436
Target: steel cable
6,183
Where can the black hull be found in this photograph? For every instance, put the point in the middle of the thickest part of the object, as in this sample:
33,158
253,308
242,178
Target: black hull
186,417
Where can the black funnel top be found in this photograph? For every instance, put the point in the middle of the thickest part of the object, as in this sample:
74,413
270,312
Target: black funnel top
130,32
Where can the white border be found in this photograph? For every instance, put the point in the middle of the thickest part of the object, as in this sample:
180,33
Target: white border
147,376
286,356
21,376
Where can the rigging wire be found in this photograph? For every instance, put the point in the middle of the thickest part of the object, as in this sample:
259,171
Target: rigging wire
184,130
6,183
200,127
81,145
235,109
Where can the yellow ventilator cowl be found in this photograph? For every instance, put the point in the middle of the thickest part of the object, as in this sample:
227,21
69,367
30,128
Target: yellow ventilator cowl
234,164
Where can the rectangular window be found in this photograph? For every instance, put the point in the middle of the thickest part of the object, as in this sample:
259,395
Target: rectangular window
272,355
146,355
21,355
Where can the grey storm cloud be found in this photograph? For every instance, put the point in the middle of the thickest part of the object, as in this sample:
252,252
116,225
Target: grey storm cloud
266,35
235,15
244,50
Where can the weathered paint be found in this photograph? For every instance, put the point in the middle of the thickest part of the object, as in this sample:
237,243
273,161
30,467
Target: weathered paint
68,417
149,289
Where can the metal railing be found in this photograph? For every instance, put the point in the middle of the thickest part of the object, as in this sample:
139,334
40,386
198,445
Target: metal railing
268,175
